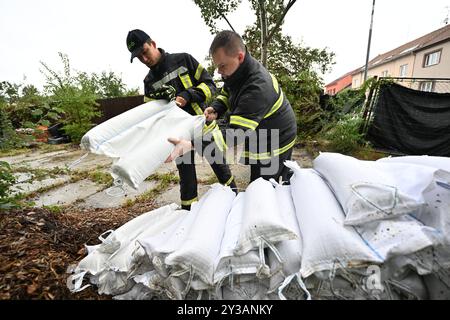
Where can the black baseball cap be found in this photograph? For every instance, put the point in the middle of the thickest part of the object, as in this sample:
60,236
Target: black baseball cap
135,42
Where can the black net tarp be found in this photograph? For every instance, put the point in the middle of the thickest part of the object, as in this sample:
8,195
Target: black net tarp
410,121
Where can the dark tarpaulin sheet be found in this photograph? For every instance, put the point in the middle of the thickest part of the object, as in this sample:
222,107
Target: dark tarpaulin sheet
411,122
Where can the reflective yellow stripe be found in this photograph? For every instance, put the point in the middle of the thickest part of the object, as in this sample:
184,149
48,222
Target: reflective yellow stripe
197,108
257,156
186,80
198,73
205,90
224,92
243,122
147,99
210,127
276,106
224,100
268,155
277,152
276,86
219,140
229,181
188,202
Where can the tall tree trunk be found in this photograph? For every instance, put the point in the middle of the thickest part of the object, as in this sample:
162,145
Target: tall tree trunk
264,33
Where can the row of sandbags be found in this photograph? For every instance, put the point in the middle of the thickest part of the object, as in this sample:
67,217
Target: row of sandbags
347,229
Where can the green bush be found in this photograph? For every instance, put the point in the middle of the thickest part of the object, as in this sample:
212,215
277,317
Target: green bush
6,181
344,136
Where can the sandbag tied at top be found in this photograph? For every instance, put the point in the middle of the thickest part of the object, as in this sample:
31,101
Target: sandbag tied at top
365,193
198,253
327,243
141,145
262,224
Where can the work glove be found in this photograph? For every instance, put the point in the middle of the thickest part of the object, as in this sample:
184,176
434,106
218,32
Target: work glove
166,92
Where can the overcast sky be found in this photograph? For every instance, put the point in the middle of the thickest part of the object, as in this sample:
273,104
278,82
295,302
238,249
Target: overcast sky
93,32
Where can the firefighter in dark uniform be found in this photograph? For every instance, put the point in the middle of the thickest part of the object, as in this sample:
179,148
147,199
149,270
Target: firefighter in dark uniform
251,100
181,78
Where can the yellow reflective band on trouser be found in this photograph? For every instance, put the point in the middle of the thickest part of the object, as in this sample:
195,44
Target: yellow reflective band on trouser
229,181
197,109
268,155
224,100
243,122
206,91
219,140
147,99
276,106
208,128
188,202
186,80
277,152
198,72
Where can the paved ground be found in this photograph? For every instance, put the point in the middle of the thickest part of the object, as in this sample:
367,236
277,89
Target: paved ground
56,179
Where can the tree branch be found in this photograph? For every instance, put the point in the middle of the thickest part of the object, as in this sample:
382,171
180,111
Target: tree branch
280,21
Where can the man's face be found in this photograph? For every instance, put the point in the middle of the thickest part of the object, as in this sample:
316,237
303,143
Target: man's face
227,65
150,54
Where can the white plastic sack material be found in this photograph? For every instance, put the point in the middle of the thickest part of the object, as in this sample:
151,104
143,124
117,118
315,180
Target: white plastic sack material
142,146
114,252
424,184
228,264
398,237
442,163
202,246
95,140
365,193
289,251
326,241
262,224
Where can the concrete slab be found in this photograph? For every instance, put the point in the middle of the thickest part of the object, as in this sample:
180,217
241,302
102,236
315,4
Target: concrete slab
27,187
68,194
172,195
104,200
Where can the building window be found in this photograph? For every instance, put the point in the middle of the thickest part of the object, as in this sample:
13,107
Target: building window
384,73
426,86
404,70
432,58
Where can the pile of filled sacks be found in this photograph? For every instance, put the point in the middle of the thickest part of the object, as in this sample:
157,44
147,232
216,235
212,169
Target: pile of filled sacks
347,229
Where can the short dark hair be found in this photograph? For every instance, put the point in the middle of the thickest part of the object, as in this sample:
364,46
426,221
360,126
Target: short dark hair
229,40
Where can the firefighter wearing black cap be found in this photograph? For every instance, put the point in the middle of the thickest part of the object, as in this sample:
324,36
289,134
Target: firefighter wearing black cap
252,102
181,78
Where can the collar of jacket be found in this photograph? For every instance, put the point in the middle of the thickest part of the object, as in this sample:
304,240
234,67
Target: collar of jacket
242,72
161,61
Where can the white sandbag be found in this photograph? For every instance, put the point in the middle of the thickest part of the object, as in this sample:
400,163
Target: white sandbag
365,192
141,146
398,237
201,248
442,163
262,224
116,252
95,139
290,251
227,264
424,184
326,241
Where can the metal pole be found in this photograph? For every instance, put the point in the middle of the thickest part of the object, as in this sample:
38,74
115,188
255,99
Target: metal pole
370,40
